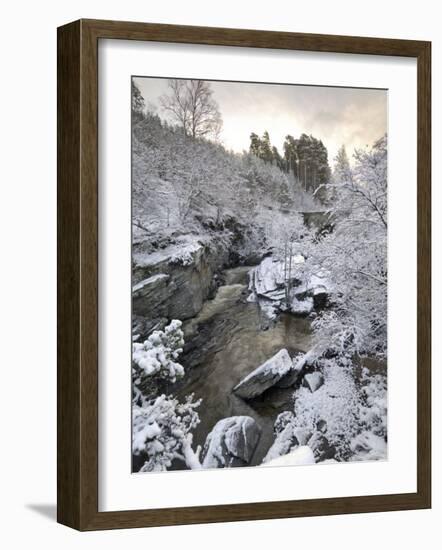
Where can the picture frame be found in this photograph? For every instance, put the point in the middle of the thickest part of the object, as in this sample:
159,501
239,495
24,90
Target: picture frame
78,274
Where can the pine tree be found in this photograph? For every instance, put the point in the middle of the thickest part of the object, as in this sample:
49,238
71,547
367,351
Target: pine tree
138,104
255,144
266,152
342,171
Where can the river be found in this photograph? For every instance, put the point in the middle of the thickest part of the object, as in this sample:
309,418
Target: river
228,339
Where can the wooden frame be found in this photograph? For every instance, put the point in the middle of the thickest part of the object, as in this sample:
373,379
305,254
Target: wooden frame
78,274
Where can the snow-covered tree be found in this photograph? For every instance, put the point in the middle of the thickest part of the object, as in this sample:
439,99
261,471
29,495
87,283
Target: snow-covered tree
162,431
342,170
288,239
161,425
355,256
138,103
157,355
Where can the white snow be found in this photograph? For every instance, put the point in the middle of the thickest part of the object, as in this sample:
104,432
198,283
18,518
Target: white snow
286,440
148,431
302,307
316,283
336,401
269,275
313,381
301,456
182,251
157,355
368,446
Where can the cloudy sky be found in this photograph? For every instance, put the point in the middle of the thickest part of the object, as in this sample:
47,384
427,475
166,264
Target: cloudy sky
349,116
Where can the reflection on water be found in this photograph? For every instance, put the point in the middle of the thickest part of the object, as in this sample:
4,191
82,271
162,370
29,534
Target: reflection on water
228,339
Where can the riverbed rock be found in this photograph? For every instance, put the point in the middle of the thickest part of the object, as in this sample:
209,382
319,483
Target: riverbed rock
175,281
302,307
231,443
293,374
286,440
321,447
317,288
269,282
320,297
265,376
313,381
269,277
152,294
142,327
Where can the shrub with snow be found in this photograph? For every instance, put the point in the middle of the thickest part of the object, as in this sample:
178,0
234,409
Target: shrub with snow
162,431
161,426
156,357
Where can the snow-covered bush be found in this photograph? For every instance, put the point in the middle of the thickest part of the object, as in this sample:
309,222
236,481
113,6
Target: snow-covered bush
156,358
161,425
162,431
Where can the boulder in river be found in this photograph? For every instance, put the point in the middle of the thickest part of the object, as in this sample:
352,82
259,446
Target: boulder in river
265,376
231,443
302,307
269,277
320,297
293,375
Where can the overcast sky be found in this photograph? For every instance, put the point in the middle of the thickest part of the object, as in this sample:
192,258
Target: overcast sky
349,116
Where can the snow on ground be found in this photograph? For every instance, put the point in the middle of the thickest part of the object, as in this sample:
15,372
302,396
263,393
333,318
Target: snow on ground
343,414
368,446
336,402
301,456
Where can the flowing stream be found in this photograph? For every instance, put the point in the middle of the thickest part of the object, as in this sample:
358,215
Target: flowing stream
227,340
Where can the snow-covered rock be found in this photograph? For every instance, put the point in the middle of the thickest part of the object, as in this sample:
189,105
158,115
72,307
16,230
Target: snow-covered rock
321,447
231,443
147,288
174,282
298,457
302,307
269,277
265,376
317,288
286,440
320,297
293,375
368,446
313,381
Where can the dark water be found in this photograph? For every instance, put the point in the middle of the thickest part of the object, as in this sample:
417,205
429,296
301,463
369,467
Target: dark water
226,341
